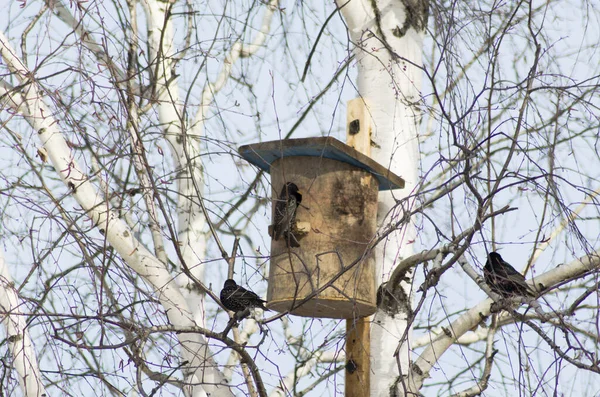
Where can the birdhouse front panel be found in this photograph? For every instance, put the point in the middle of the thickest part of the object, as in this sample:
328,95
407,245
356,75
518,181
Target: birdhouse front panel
323,221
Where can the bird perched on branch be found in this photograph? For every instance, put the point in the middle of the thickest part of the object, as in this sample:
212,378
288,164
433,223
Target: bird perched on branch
285,214
503,279
237,299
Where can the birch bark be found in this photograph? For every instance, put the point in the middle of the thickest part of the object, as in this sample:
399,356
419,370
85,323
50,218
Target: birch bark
20,346
185,147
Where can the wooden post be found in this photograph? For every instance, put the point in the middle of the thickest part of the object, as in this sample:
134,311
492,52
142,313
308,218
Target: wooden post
358,126
358,330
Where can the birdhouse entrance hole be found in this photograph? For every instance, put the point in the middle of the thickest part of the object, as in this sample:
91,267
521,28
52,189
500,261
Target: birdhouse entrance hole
328,269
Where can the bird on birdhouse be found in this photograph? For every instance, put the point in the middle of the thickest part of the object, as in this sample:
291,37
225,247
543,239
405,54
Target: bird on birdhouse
503,279
237,299
285,214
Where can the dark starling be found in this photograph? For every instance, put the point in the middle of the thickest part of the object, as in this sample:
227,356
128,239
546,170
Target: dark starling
237,299
285,214
503,279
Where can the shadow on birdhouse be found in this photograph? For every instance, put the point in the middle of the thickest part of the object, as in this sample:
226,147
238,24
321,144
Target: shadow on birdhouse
323,219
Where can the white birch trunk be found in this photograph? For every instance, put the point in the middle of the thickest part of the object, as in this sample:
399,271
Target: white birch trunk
185,150
15,325
388,43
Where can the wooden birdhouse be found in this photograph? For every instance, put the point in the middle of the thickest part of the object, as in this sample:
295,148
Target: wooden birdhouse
321,266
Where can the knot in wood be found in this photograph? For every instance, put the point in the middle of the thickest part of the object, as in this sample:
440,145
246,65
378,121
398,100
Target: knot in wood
351,366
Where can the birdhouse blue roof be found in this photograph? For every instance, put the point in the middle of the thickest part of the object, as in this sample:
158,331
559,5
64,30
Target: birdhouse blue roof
264,154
